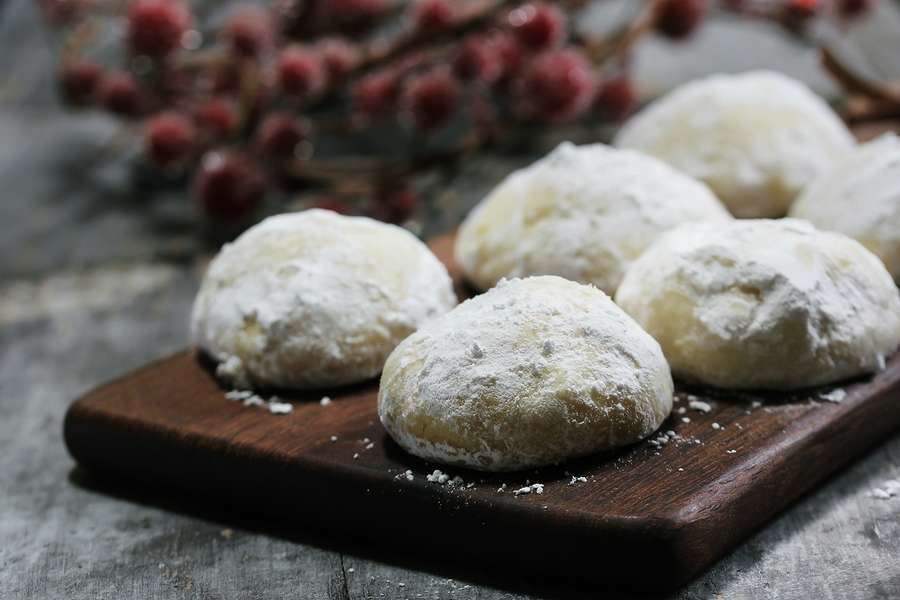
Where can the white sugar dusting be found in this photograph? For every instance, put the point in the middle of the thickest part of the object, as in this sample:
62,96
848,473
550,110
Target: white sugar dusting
837,396
312,288
888,489
280,408
700,405
274,404
565,350
535,488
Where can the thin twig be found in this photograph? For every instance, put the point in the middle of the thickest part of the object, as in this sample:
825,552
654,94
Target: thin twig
855,83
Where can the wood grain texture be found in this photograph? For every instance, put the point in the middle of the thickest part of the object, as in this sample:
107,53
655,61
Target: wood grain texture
679,505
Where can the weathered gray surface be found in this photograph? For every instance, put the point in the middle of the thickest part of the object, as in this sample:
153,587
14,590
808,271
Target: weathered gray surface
95,281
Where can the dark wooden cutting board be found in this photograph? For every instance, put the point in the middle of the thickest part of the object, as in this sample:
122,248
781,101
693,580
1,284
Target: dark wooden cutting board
650,516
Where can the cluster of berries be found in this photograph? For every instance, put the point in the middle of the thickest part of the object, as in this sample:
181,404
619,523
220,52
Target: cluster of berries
238,105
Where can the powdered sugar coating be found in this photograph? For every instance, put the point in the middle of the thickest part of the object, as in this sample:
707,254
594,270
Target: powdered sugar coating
764,304
532,372
756,138
315,299
582,212
860,196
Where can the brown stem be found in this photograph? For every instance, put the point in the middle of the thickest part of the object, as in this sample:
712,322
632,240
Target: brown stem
853,82
621,43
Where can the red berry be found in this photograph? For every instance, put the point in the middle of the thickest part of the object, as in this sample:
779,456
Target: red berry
854,8
249,31
279,135
433,15
79,80
155,27
395,204
334,205
477,59
558,85
615,98
678,19
338,56
169,138
120,94
229,185
538,25
300,72
431,99
510,53
375,94
218,117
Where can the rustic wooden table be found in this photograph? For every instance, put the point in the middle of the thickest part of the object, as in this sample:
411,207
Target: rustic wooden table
96,280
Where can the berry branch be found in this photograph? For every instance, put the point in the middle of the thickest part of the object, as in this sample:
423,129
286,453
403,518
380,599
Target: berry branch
345,102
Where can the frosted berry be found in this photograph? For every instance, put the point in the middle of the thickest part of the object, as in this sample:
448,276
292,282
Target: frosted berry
155,27
279,135
510,53
338,56
300,72
431,99
375,94
79,80
478,60
169,138
558,85
120,94
537,25
229,185
678,19
218,117
433,15
249,31
615,98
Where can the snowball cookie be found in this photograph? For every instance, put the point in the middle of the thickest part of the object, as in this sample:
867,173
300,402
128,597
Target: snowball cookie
764,304
314,299
582,212
756,138
533,372
860,196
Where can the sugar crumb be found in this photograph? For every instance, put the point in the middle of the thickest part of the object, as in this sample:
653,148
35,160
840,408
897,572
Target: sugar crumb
888,489
253,400
836,396
438,477
280,408
700,405
535,488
